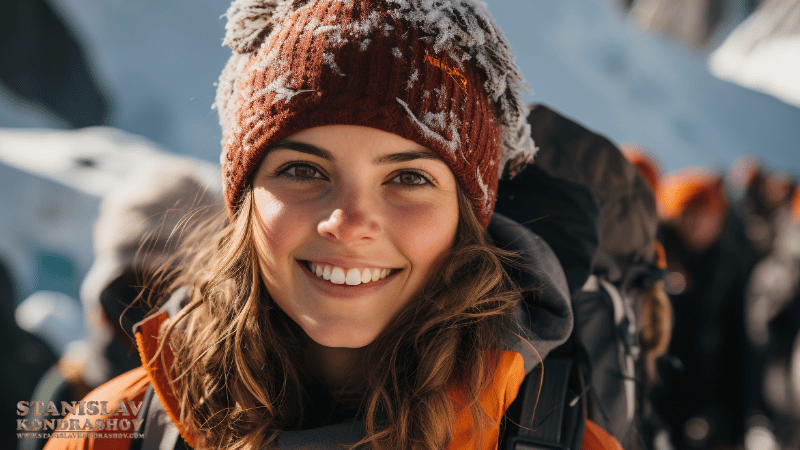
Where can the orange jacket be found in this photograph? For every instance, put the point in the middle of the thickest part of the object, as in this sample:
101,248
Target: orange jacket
131,387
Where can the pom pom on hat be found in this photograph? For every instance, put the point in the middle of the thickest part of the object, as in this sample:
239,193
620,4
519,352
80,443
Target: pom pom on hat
251,21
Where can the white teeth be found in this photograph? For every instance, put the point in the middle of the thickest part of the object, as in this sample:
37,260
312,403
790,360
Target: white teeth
337,275
351,277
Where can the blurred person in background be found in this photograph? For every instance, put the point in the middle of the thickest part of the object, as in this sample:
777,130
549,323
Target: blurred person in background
133,235
706,390
773,324
655,315
764,194
656,309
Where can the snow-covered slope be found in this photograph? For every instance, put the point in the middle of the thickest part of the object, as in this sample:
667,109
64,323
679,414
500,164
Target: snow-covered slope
158,61
581,57
52,183
763,53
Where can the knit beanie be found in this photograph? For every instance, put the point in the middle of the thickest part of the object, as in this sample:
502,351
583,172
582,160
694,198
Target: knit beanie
439,73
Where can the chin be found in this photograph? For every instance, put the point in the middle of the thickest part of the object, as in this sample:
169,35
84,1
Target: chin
338,336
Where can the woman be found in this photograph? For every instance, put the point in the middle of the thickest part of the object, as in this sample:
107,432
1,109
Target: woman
353,295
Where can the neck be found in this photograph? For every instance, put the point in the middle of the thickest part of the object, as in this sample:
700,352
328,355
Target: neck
336,367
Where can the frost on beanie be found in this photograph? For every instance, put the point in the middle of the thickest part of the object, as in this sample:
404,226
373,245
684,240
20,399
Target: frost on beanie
439,73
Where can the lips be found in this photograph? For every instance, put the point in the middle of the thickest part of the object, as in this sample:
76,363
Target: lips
351,277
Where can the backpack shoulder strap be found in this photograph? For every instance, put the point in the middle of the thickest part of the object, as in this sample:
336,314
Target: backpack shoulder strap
553,409
159,431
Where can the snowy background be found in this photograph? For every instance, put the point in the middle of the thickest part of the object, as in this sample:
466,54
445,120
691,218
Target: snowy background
157,62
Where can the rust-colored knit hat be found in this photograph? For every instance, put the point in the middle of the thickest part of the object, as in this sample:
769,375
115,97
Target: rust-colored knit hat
438,73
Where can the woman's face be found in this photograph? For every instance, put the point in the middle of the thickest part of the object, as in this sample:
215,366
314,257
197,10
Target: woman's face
350,223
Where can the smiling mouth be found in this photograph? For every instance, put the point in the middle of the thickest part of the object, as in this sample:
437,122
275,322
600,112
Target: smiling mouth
350,277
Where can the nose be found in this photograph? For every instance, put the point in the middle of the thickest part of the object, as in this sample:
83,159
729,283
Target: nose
353,223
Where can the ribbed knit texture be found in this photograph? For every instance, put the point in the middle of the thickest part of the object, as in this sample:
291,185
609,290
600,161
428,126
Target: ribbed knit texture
355,62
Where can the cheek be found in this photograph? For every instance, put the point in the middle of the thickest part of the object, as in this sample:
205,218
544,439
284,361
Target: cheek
426,232
269,217
270,209
276,229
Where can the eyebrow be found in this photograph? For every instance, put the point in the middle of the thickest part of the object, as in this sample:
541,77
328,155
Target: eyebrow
392,158
302,148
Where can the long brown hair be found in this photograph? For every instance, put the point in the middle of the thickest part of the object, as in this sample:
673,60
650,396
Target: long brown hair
655,329
238,365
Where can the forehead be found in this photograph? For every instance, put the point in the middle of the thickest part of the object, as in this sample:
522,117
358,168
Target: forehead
334,142
351,135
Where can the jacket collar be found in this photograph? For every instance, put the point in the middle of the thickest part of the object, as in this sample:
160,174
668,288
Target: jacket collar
543,320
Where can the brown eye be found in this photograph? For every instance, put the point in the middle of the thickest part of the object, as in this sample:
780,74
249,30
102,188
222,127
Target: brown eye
302,171
411,179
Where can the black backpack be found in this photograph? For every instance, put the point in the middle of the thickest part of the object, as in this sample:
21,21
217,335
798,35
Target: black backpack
598,215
